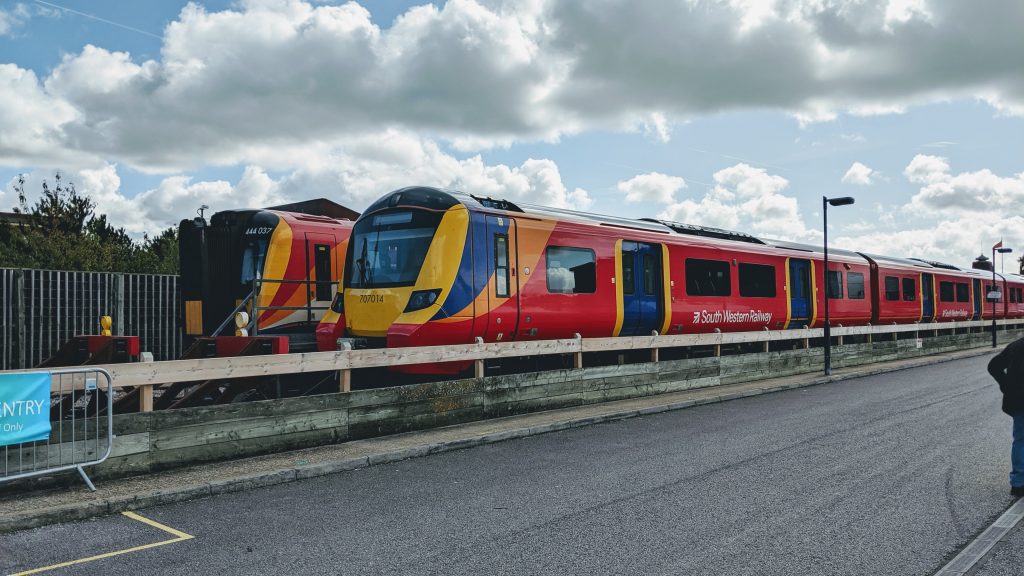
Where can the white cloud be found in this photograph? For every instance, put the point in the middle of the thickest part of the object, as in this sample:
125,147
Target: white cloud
979,192
745,198
362,172
860,175
652,187
233,85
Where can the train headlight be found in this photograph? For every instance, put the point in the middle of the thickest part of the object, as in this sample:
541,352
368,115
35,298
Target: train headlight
420,299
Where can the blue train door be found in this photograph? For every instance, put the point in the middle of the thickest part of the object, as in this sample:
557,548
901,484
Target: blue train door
642,297
927,298
799,293
503,282
979,299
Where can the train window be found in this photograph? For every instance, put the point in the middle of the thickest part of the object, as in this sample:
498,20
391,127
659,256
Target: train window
650,275
757,281
252,260
628,278
707,277
892,288
909,290
388,249
946,292
322,269
963,294
501,266
571,270
855,285
834,286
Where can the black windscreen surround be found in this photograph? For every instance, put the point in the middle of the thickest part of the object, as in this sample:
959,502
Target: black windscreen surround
387,248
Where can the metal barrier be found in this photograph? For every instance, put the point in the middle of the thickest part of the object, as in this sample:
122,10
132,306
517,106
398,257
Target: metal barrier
81,425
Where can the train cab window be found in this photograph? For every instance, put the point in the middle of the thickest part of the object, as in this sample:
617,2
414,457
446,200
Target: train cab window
892,288
628,271
707,277
650,275
571,270
909,290
855,285
757,281
501,280
963,294
252,260
834,286
322,269
946,292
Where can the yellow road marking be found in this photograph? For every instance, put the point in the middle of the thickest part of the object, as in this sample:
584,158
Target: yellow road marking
179,536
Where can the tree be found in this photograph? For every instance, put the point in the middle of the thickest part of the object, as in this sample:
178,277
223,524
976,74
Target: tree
63,232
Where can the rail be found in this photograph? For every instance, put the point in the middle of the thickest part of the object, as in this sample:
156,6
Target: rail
148,375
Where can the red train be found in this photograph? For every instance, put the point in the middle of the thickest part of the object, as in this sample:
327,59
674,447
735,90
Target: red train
433,267
292,256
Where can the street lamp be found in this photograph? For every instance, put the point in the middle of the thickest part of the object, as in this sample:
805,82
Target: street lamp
825,202
994,292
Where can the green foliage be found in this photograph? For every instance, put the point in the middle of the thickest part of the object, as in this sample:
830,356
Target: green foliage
61,231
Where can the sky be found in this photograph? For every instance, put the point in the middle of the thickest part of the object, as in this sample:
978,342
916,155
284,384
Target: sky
738,114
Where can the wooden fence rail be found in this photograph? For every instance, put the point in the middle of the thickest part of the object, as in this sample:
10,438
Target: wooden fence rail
153,374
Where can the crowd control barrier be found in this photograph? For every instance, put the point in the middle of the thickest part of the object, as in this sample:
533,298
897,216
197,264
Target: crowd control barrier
54,421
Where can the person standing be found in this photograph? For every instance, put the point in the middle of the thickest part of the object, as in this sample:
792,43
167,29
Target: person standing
1007,368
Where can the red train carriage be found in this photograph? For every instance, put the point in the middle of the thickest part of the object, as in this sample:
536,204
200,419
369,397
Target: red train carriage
433,267
287,263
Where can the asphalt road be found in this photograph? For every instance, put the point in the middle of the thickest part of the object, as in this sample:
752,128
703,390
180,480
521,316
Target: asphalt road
884,475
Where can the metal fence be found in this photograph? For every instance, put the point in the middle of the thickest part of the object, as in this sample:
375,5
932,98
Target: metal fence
40,310
81,429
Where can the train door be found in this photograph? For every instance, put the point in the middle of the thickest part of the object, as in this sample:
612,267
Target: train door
322,274
642,298
979,298
927,298
503,286
799,293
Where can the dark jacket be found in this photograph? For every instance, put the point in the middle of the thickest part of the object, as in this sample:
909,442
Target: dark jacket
1008,369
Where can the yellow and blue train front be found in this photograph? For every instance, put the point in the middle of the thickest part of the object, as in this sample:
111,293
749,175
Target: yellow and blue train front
409,275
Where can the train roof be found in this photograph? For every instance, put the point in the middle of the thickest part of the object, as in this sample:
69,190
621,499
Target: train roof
438,198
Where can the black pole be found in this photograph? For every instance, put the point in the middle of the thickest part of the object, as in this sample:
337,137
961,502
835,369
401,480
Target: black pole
992,291
828,332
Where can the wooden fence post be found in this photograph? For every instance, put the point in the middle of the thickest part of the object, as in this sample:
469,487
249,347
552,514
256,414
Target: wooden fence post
478,365
345,379
869,333
766,342
840,337
718,347
654,350
577,357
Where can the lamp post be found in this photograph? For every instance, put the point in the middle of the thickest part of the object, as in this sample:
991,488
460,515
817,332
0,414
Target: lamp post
825,202
994,291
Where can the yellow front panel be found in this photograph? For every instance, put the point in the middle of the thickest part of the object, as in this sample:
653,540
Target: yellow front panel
371,311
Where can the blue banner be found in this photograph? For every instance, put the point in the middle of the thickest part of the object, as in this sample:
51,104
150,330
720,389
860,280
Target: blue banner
24,407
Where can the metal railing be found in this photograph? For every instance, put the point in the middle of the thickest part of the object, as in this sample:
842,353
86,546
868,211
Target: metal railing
40,310
81,427
250,304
